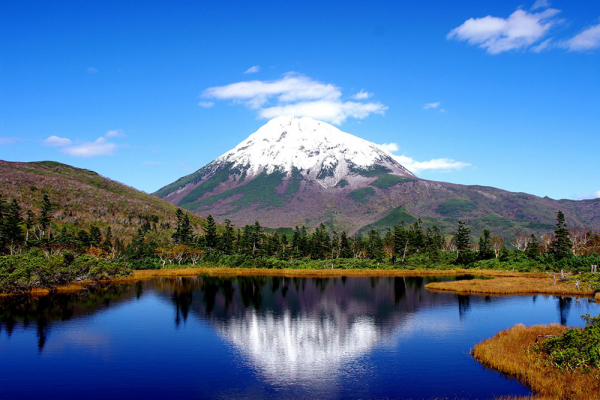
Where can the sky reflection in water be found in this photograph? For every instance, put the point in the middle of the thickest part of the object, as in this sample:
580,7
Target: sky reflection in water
263,337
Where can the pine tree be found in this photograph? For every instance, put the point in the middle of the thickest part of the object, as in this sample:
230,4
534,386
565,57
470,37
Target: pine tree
2,233
45,217
462,238
177,234
210,232
533,247
345,250
561,246
400,240
227,238
29,223
485,246
12,225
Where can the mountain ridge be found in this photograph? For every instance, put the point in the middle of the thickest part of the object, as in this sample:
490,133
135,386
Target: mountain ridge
298,171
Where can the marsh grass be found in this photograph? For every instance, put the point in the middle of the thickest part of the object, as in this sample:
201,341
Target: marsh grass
513,352
512,285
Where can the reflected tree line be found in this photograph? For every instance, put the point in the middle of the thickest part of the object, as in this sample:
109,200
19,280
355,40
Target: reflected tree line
204,295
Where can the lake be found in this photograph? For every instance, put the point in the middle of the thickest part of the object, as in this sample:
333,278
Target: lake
263,337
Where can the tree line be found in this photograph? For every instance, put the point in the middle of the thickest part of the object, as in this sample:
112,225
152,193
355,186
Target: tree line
185,243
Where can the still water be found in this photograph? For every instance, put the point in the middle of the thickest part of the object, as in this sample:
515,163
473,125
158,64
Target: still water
263,337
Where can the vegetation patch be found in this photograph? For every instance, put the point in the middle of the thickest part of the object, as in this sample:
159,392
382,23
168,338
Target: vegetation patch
34,270
206,186
342,183
456,207
361,195
386,180
514,352
395,217
262,190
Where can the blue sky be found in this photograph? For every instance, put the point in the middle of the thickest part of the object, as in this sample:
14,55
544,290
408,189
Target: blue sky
505,94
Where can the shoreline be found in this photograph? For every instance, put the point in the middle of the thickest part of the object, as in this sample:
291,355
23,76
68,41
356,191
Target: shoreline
518,285
503,282
511,353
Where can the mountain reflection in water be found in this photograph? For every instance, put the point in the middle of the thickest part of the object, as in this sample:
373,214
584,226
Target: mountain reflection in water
309,334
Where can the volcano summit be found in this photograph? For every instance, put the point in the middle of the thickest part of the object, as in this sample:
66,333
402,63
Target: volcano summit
299,171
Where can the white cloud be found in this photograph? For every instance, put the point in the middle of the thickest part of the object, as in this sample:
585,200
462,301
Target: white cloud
443,110
92,70
115,133
589,196
428,106
334,112
520,30
252,70
589,39
298,95
540,4
206,104
362,95
57,141
389,147
414,166
100,147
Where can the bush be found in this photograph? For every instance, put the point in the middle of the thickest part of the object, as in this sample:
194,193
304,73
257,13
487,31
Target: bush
23,272
576,348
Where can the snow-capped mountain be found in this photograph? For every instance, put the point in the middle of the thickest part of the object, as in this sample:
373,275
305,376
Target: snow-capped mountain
299,171
322,152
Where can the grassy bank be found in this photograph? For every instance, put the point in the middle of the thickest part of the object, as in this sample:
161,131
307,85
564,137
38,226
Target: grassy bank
524,284
513,352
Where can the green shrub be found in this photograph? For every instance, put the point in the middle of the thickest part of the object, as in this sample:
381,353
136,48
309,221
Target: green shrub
576,348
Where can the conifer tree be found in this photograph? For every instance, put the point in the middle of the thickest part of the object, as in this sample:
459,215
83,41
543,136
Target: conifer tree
45,217
561,246
29,223
2,232
533,247
461,238
210,232
12,225
345,250
485,246
228,238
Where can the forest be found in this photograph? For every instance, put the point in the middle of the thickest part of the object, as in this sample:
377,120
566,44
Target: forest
38,251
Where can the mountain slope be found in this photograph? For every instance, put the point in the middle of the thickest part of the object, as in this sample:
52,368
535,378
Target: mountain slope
305,172
82,198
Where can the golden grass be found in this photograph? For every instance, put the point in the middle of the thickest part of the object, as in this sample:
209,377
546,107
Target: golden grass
511,352
520,284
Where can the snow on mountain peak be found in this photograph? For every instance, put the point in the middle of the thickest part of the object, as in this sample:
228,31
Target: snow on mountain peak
285,143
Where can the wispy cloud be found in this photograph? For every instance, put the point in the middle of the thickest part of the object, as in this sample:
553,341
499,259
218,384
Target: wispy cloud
298,95
100,147
588,39
4,141
92,70
56,141
362,95
519,31
206,104
414,166
115,133
429,106
540,4
252,70
589,196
